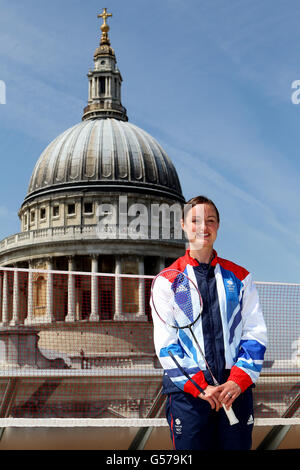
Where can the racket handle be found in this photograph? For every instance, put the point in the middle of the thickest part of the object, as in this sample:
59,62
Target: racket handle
230,415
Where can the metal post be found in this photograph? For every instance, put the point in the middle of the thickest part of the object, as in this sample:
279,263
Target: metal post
143,434
274,438
8,401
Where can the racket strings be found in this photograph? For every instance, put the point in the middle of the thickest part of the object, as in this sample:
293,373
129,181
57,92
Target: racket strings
176,298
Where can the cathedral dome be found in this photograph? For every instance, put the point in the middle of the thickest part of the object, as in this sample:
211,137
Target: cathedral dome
106,155
104,152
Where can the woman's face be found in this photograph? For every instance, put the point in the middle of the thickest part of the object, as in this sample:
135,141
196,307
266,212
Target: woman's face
201,226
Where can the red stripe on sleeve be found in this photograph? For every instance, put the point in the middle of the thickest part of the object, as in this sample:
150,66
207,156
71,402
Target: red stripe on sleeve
191,388
240,377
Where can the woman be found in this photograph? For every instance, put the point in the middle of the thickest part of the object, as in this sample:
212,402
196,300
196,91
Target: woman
233,332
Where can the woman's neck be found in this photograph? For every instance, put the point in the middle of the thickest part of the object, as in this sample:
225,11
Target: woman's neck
202,256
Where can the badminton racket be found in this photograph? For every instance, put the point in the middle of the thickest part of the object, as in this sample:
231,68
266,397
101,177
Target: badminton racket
180,307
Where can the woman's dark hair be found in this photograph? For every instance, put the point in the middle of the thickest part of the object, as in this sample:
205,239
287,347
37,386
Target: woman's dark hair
199,200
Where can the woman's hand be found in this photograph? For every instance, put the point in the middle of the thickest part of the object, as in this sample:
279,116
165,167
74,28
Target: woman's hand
228,392
212,397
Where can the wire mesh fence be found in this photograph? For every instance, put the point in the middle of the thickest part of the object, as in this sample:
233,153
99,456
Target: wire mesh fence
80,345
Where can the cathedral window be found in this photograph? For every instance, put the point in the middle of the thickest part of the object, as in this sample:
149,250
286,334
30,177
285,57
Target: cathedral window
40,292
130,287
43,213
102,86
55,211
88,207
71,209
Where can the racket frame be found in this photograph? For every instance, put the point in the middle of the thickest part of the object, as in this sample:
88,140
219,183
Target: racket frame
229,412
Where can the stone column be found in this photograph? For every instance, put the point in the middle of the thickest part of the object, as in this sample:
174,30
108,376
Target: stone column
30,318
90,90
96,88
141,313
94,290
118,290
5,319
49,294
71,291
16,300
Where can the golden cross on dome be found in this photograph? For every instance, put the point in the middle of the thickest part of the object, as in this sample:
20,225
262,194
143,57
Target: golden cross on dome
105,15
105,28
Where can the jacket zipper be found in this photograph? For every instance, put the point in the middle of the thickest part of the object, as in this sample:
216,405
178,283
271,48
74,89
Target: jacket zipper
212,327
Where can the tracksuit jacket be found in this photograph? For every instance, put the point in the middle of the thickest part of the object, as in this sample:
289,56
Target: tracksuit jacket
231,329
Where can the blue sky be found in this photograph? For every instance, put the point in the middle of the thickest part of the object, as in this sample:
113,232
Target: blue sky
209,79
